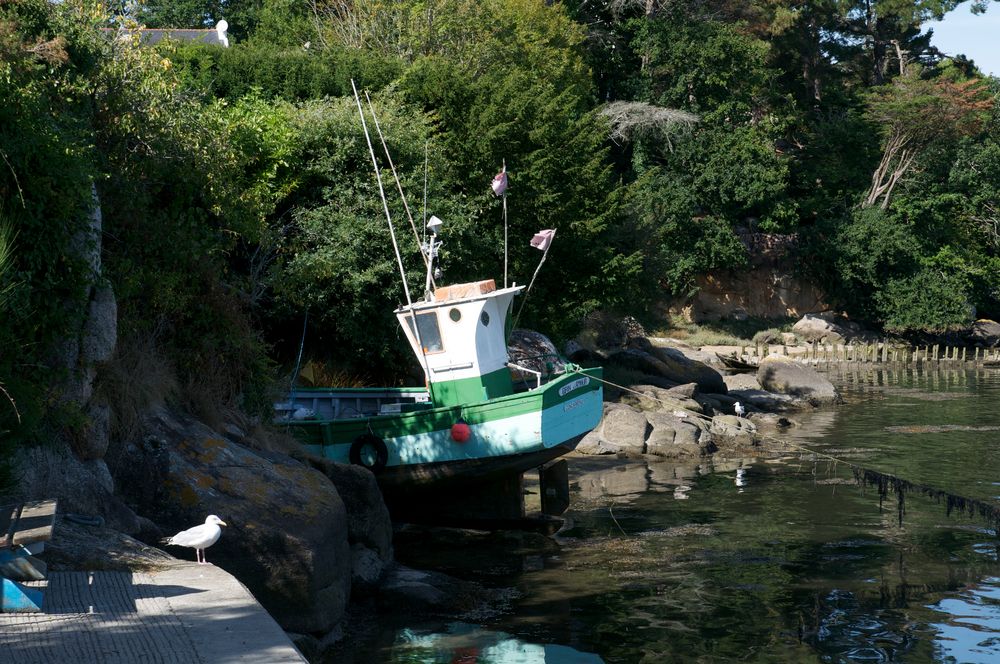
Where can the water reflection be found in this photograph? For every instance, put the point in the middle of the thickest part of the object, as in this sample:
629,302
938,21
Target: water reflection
968,631
462,643
759,559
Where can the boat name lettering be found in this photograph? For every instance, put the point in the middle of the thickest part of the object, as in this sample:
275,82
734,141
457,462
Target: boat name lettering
579,382
571,405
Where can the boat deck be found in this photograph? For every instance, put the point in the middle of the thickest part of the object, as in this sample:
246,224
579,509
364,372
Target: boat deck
185,613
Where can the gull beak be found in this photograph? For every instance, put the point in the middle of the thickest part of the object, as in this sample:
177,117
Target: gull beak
222,523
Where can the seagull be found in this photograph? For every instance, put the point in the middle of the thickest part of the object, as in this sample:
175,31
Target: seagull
740,410
200,537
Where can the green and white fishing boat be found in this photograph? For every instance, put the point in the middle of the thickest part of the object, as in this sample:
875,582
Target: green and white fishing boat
479,414
478,417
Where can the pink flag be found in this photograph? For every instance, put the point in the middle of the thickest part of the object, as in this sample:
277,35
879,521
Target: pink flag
543,239
500,182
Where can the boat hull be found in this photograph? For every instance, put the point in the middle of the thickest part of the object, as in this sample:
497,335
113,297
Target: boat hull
507,435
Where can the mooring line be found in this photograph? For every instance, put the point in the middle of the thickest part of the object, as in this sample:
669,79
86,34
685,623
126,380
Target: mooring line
863,476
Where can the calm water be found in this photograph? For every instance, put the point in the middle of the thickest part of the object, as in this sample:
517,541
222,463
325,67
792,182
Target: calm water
776,560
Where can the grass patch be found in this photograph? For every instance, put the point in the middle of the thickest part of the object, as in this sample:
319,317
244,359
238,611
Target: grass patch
727,332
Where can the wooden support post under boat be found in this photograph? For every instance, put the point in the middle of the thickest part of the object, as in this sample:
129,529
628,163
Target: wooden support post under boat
553,483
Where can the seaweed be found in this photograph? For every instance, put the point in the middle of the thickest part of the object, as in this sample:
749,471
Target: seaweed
884,482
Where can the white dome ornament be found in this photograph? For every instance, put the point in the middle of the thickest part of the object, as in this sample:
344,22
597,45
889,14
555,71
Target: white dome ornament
221,28
199,538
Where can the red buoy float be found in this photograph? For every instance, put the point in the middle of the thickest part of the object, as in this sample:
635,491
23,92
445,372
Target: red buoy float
460,431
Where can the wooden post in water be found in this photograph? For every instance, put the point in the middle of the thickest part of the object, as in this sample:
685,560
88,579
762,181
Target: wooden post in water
935,352
885,351
977,355
963,353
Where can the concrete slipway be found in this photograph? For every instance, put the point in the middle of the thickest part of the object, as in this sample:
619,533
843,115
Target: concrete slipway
183,612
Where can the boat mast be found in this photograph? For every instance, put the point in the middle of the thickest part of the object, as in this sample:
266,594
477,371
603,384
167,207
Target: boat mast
399,185
392,234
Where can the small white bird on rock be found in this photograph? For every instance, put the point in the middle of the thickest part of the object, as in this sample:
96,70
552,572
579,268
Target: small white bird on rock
200,537
740,410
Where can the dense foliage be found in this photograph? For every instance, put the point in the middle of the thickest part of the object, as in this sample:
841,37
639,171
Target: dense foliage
238,196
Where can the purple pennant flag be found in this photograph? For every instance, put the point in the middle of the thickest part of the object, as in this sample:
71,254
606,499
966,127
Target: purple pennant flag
543,239
500,182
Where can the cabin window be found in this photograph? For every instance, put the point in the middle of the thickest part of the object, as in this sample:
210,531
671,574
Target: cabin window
485,318
430,334
455,315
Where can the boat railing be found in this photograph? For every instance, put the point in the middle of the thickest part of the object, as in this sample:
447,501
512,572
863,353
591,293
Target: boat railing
537,374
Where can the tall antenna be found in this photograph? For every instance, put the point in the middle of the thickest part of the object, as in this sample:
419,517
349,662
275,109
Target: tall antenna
505,229
423,228
392,233
399,186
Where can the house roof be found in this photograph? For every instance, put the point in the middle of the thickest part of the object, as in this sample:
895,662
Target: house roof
155,36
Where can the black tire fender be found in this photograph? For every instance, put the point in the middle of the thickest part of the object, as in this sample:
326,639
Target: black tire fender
368,440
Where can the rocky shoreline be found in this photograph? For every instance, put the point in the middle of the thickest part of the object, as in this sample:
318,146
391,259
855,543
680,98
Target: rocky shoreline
313,540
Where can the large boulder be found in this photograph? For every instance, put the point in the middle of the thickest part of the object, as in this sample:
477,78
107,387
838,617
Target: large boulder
369,527
828,327
676,434
733,431
287,535
82,487
625,427
985,333
780,374
682,369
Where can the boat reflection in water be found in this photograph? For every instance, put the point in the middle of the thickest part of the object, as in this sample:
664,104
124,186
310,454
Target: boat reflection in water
463,643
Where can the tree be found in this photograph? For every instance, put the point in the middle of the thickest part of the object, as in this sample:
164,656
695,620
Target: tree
912,114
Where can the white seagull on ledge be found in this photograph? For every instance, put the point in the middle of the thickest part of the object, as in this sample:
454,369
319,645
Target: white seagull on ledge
200,537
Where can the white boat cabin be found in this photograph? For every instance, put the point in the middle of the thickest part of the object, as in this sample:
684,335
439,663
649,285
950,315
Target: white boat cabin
461,341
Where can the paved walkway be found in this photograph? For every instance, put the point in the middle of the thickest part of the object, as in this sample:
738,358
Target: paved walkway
186,613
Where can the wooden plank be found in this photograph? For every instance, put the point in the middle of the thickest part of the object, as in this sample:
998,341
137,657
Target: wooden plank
12,512
35,525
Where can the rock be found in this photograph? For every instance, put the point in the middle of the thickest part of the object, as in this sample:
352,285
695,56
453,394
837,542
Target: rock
985,333
307,645
99,469
603,330
743,381
690,352
287,538
625,428
100,331
368,521
784,376
788,338
772,422
639,360
657,398
417,592
730,430
92,441
686,391
366,569
576,352
683,370
674,436
764,400
47,472
594,444
828,327
534,351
